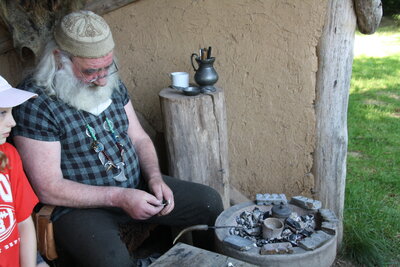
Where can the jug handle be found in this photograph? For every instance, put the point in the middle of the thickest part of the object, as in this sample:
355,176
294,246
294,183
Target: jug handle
191,59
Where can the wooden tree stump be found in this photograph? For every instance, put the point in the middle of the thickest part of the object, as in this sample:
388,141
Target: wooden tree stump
196,138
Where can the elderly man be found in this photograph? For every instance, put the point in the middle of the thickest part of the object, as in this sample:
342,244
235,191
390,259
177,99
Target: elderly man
85,151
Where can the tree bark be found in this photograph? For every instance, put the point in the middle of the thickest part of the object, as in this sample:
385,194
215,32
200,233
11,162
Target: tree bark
369,15
335,59
196,138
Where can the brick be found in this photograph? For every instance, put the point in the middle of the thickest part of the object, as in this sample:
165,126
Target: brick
239,243
270,199
328,215
329,227
306,203
277,248
316,240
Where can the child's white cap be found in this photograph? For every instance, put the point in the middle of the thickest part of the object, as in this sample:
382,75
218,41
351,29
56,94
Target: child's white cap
11,97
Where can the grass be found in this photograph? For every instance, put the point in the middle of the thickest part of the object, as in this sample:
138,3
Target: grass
372,203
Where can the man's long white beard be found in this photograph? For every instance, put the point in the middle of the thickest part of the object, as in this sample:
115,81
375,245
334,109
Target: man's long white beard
80,95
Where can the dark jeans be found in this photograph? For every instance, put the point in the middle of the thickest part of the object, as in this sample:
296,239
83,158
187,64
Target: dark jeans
91,236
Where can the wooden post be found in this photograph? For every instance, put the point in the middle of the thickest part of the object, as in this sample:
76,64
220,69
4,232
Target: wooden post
335,59
196,138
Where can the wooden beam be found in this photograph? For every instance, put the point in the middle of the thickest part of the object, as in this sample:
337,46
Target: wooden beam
102,7
335,60
6,43
369,14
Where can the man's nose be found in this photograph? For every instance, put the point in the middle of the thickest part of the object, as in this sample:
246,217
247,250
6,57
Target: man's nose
102,81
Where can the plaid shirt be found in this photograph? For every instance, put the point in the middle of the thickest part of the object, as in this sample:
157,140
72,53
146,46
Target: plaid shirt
47,118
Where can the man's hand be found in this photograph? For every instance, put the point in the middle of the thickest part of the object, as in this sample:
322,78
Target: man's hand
139,204
162,192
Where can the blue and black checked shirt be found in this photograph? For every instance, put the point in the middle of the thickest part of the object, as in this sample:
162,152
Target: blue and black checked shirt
47,118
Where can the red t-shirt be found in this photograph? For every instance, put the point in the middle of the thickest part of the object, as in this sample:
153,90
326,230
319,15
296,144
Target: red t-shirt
17,200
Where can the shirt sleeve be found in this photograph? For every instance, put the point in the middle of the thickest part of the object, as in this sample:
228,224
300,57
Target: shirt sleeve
23,195
35,119
124,91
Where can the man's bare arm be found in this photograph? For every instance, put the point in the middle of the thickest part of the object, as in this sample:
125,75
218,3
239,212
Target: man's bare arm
148,160
144,146
42,163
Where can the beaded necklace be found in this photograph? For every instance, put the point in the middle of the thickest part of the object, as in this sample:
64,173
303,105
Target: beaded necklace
98,148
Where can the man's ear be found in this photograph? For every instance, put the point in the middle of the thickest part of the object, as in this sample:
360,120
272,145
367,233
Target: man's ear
57,57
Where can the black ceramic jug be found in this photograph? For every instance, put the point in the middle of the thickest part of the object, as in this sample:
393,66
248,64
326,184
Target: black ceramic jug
205,75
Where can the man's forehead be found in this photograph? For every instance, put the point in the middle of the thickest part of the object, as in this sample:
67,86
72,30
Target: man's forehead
95,62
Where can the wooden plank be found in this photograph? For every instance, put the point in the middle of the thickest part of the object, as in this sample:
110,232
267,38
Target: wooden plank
185,255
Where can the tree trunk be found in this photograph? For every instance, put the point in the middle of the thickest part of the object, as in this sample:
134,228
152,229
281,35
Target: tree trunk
196,138
335,59
369,15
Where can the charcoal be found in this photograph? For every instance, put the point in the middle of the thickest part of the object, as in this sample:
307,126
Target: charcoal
266,215
296,228
257,214
253,231
293,224
306,233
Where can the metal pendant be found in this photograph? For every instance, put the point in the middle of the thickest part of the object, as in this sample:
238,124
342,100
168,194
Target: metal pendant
97,146
121,175
102,158
106,126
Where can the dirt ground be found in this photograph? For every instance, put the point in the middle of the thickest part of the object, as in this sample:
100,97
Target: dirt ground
340,262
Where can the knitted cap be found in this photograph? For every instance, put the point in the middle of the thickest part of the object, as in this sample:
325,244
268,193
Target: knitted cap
84,34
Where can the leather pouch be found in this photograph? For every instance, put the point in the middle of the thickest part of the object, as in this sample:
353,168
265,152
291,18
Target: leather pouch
44,232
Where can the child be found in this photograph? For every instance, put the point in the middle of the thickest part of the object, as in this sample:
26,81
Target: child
17,199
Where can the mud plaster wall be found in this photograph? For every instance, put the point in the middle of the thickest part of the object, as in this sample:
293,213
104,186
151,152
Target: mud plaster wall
266,60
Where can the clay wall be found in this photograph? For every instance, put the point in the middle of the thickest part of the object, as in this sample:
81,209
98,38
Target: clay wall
266,60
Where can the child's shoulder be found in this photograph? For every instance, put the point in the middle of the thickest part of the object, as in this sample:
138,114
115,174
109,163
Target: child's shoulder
9,150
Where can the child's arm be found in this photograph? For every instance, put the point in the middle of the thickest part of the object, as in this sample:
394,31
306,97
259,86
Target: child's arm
28,243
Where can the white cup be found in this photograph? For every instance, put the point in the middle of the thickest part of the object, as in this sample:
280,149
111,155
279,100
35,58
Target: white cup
179,79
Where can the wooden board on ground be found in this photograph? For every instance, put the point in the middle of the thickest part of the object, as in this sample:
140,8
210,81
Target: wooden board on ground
184,255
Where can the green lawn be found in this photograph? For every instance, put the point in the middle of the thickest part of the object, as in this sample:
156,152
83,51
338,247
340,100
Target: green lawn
372,204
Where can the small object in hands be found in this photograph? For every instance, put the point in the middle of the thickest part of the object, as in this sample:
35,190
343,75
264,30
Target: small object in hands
163,203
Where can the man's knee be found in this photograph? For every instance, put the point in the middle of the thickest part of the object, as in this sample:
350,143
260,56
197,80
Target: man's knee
209,203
